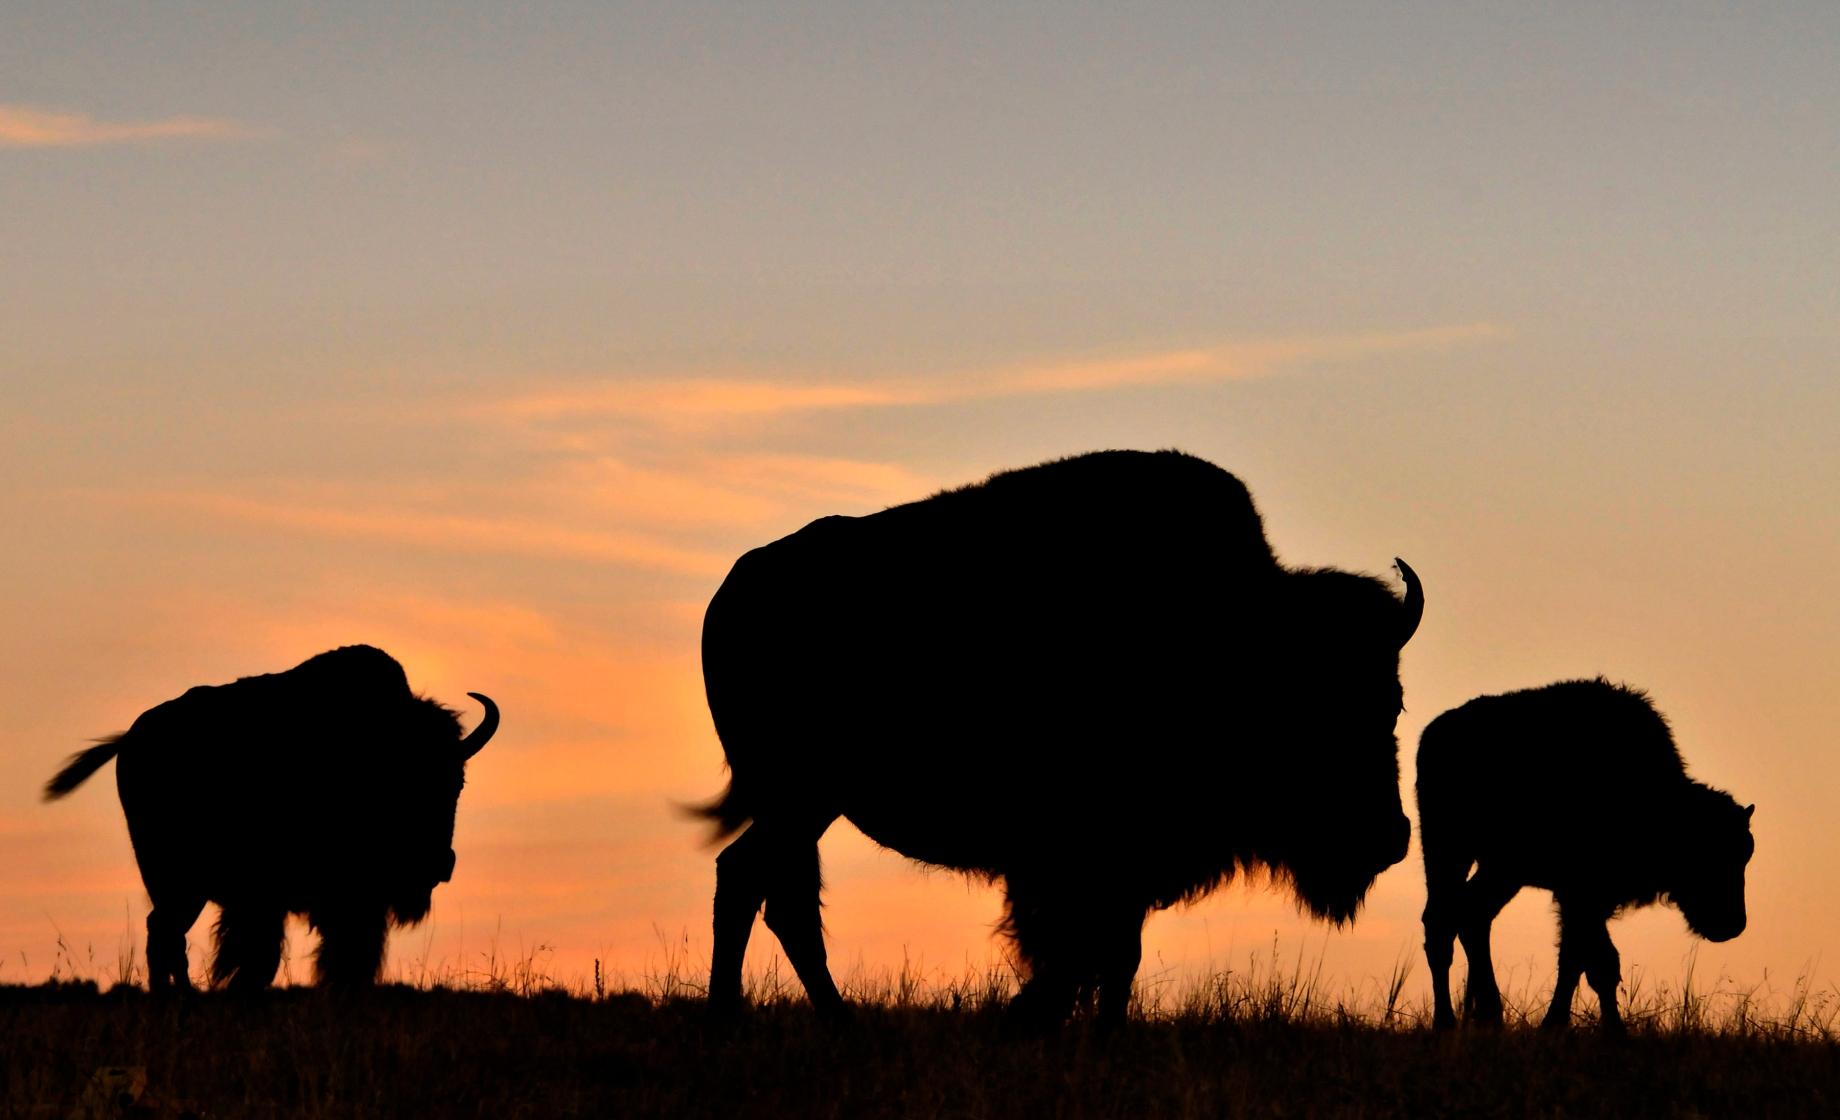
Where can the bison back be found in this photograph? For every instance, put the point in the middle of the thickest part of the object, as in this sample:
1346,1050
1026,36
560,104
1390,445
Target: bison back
1054,635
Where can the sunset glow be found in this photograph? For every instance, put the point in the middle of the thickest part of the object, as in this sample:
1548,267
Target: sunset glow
497,356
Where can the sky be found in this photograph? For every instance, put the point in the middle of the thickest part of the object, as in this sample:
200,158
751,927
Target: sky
492,335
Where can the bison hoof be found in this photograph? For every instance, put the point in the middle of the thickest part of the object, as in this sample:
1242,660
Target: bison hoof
1029,1016
836,1016
725,1009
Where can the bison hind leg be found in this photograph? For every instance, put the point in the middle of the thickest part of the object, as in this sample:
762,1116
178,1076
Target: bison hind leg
351,945
172,915
776,863
1484,895
249,939
795,915
740,889
1445,879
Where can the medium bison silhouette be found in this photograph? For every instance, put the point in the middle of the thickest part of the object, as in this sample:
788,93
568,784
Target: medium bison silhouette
1575,788
1090,679
328,790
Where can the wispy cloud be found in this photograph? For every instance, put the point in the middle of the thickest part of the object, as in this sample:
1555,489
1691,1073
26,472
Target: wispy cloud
699,402
627,478
438,530
705,399
676,515
703,491
25,126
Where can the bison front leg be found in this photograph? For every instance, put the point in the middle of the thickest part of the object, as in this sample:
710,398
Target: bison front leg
1042,918
1604,969
1047,997
1571,967
249,940
1121,950
1572,952
1584,950
351,945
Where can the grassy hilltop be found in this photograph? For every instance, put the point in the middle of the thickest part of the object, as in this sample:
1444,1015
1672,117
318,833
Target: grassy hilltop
1235,1046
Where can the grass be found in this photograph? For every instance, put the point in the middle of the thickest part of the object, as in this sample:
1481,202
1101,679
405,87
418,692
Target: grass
504,1038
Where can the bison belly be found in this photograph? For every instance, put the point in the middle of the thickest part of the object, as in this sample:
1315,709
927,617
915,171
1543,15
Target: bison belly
965,730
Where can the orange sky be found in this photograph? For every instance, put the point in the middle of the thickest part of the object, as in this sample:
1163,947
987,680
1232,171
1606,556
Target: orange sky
570,587
497,355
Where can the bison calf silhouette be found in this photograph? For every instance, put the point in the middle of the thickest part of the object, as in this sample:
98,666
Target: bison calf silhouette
1090,679
328,790
1575,788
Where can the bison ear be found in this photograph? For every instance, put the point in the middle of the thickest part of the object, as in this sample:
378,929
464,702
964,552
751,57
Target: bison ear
1749,809
488,724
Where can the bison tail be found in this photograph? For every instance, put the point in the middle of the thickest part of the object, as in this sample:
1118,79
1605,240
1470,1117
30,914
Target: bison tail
80,766
730,812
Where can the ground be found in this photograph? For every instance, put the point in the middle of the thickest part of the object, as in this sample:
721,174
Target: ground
73,1050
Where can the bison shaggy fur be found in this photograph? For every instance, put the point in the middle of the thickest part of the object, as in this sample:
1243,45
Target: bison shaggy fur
1089,679
328,790
1575,788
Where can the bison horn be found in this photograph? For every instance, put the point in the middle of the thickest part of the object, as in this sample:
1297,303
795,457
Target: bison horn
1414,602
488,724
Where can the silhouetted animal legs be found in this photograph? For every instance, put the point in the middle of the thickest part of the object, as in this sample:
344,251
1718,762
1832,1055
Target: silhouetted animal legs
171,916
1604,968
794,888
741,887
778,865
1440,952
1121,949
1051,929
351,944
1444,887
1483,897
1047,996
1571,967
249,940
1585,950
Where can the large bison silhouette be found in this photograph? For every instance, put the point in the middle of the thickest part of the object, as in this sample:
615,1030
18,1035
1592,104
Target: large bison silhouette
1576,788
1090,679
328,790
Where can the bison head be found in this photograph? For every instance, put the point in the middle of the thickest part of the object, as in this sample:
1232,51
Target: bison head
1710,852
1332,686
422,855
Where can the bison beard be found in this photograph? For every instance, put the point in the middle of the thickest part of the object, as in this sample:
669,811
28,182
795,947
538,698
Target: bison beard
1090,679
328,790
